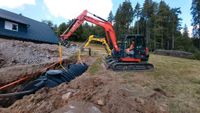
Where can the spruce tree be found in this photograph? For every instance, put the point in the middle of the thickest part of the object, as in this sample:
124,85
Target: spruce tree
196,22
123,18
185,32
196,18
110,17
137,14
147,14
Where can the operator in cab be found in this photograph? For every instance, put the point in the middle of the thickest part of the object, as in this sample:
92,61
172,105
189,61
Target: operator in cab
130,50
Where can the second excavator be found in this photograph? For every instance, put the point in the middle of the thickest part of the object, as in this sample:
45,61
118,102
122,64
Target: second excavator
101,40
130,54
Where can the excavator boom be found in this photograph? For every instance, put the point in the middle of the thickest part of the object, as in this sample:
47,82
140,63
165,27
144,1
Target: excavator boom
107,26
118,59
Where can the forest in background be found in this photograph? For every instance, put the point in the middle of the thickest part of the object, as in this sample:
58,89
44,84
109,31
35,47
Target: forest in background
158,22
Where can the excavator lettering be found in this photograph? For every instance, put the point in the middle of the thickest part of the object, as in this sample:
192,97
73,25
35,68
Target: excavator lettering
120,59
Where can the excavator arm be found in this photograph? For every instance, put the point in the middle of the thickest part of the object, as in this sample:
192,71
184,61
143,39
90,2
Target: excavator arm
102,40
119,60
108,28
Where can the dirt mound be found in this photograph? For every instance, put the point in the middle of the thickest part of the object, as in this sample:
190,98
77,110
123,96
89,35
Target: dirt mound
13,52
106,94
2,60
19,58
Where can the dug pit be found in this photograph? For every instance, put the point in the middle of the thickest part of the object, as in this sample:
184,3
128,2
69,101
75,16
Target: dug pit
19,59
103,94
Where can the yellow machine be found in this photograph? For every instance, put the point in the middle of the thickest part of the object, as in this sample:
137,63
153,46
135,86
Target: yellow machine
102,40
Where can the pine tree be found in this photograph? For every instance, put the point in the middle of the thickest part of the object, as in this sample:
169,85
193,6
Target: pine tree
54,27
147,9
49,23
123,18
147,15
184,42
110,17
196,18
163,25
62,27
174,24
137,14
185,32
196,22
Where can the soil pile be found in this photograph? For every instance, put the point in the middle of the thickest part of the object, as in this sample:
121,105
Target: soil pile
13,52
19,58
96,94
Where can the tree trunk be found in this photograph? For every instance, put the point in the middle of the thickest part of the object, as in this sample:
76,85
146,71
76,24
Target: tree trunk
154,41
199,31
173,31
147,33
173,41
138,28
199,43
162,42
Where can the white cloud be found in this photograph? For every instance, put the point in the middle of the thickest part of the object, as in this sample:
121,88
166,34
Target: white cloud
70,9
189,31
15,3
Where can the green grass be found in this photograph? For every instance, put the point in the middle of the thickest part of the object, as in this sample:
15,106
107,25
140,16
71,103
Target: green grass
179,77
95,67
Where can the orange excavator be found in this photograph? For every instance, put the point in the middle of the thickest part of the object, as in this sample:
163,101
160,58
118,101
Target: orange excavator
120,60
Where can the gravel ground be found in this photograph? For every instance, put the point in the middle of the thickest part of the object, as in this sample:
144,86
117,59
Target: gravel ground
13,52
19,58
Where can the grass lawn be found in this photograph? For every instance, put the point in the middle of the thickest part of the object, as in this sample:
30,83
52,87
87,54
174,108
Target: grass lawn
179,78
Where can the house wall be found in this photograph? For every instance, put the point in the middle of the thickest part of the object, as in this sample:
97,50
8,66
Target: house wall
1,23
21,27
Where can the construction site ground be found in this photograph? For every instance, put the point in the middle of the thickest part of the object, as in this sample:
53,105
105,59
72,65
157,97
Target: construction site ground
173,87
19,58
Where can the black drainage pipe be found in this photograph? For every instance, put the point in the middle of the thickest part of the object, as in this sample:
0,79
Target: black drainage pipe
51,79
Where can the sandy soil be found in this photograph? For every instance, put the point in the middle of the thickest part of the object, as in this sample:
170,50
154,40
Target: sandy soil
90,94
103,92
19,58
13,52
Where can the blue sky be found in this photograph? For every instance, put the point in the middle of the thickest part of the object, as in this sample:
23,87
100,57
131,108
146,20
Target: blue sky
183,4
61,10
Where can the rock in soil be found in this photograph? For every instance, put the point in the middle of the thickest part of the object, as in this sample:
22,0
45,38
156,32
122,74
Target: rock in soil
19,58
78,107
86,92
15,52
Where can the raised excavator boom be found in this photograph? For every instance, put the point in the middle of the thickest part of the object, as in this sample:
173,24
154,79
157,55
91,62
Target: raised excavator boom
107,26
119,60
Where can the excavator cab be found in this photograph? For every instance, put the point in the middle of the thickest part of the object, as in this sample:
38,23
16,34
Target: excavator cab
140,51
119,60
136,59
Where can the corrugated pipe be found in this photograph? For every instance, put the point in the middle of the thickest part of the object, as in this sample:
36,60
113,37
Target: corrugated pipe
50,79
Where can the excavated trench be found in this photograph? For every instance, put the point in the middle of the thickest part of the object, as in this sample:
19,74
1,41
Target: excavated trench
53,76
22,62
